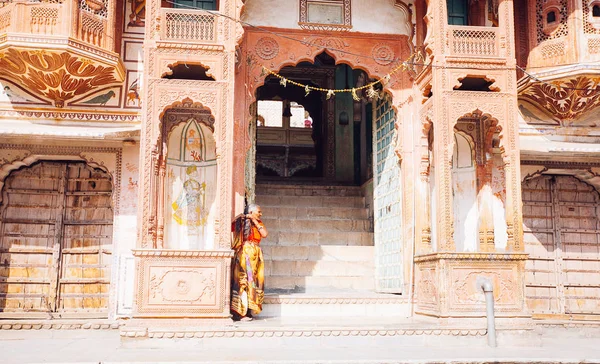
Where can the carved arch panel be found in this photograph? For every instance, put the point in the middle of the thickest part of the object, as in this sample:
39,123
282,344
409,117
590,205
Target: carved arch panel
183,98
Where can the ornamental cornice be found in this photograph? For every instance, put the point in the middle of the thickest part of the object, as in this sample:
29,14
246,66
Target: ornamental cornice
54,43
562,164
472,256
146,253
71,115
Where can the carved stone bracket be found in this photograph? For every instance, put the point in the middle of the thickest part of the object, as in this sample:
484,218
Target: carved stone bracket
58,76
567,99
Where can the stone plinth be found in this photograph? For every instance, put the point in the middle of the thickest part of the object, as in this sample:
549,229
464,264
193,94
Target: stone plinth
446,284
182,283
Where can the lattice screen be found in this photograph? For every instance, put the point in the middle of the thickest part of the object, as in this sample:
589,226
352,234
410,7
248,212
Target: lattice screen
563,29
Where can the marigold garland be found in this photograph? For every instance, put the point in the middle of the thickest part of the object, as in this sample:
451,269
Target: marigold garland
331,92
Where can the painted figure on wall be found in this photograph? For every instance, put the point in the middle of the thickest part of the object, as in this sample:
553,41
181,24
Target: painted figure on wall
137,18
191,187
248,265
189,208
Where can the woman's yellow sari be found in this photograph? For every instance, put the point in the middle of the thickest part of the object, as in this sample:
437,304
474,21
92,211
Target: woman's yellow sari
248,268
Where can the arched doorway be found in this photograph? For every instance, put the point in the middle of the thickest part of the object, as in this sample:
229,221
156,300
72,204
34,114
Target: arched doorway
56,241
337,220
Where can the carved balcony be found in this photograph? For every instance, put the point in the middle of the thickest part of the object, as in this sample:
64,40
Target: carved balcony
472,41
197,27
59,49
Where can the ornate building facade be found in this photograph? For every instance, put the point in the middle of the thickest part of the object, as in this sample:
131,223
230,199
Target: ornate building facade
444,140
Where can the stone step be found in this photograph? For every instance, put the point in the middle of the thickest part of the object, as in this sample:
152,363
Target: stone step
319,283
284,225
309,201
307,190
316,213
320,268
321,253
286,238
334,304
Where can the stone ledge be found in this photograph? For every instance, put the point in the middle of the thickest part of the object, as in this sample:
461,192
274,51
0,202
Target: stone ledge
61,325
165,44
333,300
471,256
297,333
182,253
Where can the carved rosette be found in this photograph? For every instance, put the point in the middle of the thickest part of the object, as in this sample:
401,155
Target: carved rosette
57,76
267,48
383,54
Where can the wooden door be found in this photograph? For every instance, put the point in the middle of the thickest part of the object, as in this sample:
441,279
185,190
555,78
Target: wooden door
55,239
387,192
561,233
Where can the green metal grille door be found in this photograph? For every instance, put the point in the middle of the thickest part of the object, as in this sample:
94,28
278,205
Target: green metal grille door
387,188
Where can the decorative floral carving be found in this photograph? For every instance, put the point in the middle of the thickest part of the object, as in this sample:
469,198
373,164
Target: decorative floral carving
326,42
467,291
56,76
566,99
383,54
267,48
191,286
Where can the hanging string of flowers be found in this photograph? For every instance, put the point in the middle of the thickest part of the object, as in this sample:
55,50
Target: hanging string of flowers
370,89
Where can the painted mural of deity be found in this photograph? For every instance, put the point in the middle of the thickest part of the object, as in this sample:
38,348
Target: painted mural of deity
191,187
189,208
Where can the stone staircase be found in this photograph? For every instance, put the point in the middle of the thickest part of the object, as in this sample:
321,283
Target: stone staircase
319,255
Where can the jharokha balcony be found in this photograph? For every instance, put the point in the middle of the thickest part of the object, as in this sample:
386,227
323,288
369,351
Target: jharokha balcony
69,41
189,26
473,41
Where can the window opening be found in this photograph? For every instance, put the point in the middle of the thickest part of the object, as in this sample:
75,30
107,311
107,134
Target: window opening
551,17
196,4
189,72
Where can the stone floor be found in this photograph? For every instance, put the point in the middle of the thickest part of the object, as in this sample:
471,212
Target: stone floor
415,342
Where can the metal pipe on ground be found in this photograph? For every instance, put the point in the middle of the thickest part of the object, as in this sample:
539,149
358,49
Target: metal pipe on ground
488,289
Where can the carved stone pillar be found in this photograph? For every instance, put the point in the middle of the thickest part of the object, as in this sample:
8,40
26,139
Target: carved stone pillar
443,150
424,217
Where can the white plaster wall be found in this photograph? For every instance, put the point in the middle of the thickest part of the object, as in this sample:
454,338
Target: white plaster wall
466,217
464,187
373,16
125,232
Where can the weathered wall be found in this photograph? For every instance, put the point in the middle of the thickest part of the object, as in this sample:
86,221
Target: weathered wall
126,231
376,16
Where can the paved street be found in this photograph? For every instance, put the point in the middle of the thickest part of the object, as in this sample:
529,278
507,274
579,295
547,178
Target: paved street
106,346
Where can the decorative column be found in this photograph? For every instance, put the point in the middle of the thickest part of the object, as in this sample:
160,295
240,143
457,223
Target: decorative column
446,280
